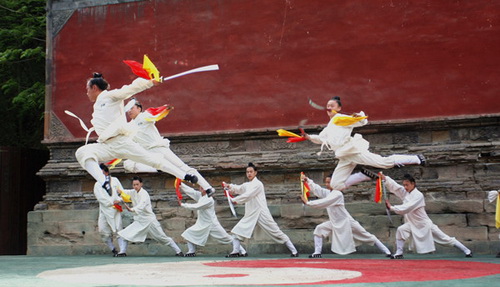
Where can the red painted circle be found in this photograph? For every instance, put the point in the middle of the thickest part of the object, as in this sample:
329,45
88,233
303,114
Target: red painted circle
379,270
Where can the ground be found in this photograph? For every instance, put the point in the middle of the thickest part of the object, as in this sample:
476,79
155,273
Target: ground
262,270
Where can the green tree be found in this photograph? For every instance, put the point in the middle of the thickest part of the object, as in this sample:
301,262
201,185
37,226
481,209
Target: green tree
22,72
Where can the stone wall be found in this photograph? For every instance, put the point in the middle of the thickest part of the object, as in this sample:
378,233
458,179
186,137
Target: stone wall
464,162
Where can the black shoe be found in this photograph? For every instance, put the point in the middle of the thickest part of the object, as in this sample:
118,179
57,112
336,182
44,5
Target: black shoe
210,191
180,254
243,254
369,173
107,186
191,178
315,255
423,160
114,252
190,255
233,255
498,255
294,255
121,255
469,255
388,255
397,256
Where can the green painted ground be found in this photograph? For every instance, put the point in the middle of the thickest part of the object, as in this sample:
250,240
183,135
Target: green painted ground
22,270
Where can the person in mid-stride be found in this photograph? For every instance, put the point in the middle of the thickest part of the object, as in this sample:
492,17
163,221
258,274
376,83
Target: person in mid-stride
418,228
206,224
257,213
145,223
353,150
345,232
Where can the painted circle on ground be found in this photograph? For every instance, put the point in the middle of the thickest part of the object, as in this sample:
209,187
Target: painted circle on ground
272,272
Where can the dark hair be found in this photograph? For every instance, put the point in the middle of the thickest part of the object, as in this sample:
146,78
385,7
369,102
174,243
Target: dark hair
337,99
98,81
252,166
104,167
409,178
137,103
137,178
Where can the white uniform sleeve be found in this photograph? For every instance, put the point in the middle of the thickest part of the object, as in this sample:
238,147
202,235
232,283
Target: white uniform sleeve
249,191
324,202
126,91
492,195
202,204
394,188
409,206
317,189
191,192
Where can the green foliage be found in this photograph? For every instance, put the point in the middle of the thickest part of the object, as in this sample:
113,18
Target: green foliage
22,72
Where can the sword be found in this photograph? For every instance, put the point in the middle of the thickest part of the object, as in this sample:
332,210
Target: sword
197,70
231,205
316,106
387,211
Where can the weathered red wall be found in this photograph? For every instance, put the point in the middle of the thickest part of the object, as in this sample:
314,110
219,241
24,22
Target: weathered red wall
392,59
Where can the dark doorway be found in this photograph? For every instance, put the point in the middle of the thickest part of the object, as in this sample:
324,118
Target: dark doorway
20,190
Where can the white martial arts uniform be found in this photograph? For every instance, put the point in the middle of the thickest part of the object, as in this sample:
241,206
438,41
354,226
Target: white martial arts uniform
351,151
492,196
110,219
345,232
115,133
149,137
252,194
206,224
145,223
418,227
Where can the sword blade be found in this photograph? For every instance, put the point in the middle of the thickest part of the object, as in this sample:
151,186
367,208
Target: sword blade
197,70
316,106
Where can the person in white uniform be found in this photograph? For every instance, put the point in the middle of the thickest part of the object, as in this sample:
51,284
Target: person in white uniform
492,196
110,124
418,228
345,232
257,213
206,224
149,137
110,218
145,223
353,150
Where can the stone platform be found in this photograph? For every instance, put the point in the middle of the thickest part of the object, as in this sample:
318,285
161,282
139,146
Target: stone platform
464,162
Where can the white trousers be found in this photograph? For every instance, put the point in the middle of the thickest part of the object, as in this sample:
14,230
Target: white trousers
346,165
172,159
124,148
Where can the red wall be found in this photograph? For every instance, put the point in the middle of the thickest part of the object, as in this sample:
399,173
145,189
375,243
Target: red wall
392,59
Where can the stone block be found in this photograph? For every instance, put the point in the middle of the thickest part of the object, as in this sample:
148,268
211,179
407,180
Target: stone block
294,210
174,225
494,235
436,206
34,216
76,229
459,220
466,233
70,215
365,208
482,219
440,136
466,206
274,209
